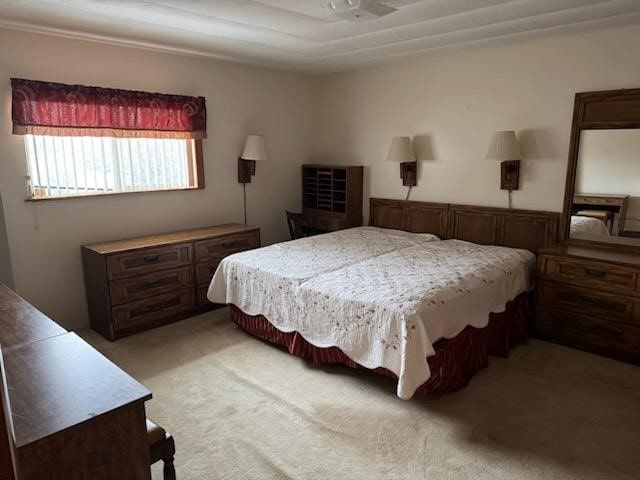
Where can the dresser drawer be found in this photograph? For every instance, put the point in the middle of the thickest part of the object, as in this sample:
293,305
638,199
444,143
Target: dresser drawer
201,296
143,286
592,200
580,300
607,277
149,260
205,271
154,310
218,248
613,339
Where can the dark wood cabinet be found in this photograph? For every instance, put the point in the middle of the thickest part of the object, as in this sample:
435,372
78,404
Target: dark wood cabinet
332,196
136,284
589,298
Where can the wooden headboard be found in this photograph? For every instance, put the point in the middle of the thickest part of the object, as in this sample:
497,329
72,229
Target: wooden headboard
529,229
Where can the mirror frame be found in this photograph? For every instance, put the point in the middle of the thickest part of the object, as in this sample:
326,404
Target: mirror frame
602,110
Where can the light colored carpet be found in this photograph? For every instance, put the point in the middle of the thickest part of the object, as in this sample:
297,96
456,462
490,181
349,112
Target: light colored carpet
242,409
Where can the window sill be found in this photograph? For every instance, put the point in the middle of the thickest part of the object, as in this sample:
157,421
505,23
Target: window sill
102,195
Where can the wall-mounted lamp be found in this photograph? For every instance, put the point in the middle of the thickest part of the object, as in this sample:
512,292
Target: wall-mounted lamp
401,150
504,148
254,150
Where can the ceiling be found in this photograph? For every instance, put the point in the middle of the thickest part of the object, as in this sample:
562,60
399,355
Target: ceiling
302,35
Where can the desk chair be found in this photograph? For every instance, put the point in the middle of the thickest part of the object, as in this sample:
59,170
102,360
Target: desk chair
162,447
298,226
603,215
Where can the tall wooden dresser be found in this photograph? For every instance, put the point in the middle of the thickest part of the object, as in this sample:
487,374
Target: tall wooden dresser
589,298
137,284
589,290
332,196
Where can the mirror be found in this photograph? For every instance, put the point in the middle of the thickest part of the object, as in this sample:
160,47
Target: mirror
602,195
606,198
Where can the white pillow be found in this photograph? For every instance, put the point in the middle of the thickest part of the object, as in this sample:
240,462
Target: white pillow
401,233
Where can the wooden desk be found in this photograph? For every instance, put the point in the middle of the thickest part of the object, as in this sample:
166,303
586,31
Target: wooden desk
332,196
75,414
608,202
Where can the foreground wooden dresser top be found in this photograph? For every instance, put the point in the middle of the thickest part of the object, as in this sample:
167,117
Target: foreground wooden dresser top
75,414
21,322
77,382
139,283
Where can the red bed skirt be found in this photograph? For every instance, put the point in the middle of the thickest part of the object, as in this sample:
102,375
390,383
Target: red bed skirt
452,367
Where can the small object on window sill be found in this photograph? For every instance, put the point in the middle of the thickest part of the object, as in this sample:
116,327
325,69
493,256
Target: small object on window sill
100,195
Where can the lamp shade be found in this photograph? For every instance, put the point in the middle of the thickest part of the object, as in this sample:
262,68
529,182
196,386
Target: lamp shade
401,150
504,146
254,148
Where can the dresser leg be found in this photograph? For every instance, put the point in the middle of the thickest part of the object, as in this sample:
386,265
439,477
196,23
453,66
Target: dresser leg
169,470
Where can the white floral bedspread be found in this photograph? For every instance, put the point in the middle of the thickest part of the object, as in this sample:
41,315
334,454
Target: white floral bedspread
588,226
382,296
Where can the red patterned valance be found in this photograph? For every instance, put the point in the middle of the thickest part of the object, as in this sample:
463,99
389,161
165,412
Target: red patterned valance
45,108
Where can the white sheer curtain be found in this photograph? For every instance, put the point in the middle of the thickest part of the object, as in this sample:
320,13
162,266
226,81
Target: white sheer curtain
63,166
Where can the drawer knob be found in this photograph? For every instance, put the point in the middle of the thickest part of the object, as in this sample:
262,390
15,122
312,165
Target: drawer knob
228,244
151,259
595,273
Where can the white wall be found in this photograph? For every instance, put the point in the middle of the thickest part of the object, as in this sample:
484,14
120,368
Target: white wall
458,100
6,274
609,162
45,237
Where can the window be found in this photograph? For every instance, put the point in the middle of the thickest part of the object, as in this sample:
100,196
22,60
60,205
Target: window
83,141
61,166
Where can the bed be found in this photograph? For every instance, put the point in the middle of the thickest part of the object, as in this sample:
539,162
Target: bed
588,227
426,309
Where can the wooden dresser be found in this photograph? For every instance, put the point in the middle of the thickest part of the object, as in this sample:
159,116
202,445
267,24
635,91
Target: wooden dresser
589,298
74,414
332,196
137,284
